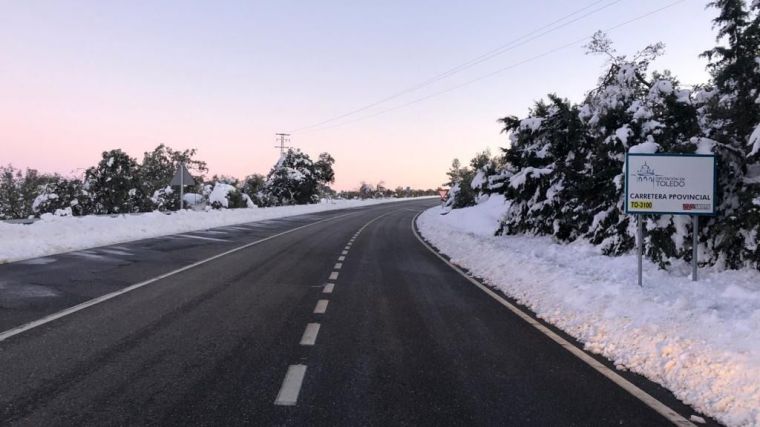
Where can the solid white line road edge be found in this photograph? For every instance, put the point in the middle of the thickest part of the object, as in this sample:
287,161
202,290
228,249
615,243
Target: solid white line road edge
49,318
626,385
291,386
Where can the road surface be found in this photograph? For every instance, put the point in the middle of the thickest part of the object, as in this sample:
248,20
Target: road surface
337,318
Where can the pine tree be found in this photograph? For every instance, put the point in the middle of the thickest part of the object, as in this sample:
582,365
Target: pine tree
564,166
731,119
546,158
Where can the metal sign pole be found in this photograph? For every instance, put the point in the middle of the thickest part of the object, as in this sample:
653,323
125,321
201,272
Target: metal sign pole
694,246
181,186
640,245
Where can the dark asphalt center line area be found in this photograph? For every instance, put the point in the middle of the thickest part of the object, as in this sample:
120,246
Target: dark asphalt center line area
290,389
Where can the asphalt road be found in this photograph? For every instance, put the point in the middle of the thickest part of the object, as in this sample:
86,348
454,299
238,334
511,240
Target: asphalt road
277,333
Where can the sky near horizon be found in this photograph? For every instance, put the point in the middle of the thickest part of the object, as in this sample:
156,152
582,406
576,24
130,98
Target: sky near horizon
81,77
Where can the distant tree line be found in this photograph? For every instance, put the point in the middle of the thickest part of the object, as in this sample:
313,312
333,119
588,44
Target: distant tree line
377,191
120,184
562,172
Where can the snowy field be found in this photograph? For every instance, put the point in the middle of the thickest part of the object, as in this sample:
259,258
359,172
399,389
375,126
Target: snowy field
701,340
52,234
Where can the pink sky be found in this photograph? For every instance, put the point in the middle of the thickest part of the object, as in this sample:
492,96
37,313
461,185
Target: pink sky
81,77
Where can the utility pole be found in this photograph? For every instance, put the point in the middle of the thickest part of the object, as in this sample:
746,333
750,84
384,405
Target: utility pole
282,138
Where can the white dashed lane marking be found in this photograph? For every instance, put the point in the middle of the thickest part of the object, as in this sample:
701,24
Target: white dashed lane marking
344,253
328,288
38,261
202,238
212,232
321,306
310,334
338,266
116,252
334,275
90,255
291,386
341,258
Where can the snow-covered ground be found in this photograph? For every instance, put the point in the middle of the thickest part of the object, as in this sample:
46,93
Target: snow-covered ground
701,340
52,234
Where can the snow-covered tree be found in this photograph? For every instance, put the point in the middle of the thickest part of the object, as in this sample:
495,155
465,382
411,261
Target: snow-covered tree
469,183
253,186
730,118
564,167
114,184
460,193
323,169
18,190
366,190
295,179
546,177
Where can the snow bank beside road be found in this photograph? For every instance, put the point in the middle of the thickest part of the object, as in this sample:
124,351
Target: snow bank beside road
52,235
701,340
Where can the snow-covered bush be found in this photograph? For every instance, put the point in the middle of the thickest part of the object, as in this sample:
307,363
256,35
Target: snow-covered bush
224,195
63,196
164,199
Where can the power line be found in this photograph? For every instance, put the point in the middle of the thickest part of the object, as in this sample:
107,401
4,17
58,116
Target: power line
524,39
501,70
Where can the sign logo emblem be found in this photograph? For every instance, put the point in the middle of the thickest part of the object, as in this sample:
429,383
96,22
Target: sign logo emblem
648,175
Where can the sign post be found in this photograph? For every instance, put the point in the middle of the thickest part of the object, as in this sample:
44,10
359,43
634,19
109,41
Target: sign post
443,193
640,247
182,178
694,246
670,184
